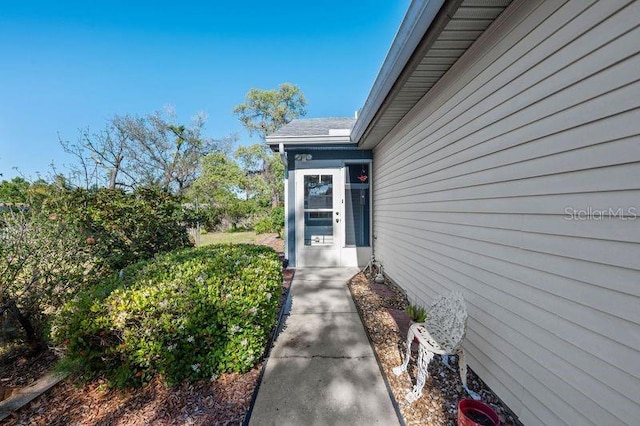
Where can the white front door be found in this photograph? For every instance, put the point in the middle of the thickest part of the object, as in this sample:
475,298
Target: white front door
319,202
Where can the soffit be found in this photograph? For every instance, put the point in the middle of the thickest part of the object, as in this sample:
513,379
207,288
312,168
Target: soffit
468,22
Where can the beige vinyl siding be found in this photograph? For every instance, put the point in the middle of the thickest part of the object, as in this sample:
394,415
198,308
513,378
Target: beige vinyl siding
474,187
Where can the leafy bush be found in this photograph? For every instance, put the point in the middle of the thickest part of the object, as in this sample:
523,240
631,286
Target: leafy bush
207,217
14,191
44,260
60,240
128,227
189,314
262,225
272,223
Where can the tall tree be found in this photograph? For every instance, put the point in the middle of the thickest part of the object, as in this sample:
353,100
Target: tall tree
251,159
163,152
264,171
151,150
222,186
105,150
265,111
14,190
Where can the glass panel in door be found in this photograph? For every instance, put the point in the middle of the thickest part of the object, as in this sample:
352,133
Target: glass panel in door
357,205
318,210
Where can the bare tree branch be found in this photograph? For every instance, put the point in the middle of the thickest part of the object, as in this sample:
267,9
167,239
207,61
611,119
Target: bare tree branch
150,150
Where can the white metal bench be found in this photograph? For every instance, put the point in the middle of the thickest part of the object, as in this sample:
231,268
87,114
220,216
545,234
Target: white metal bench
442,333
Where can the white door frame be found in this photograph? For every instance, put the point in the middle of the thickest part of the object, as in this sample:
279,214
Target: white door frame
325,252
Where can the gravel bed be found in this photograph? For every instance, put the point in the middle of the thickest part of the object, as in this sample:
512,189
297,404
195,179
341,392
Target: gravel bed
382,308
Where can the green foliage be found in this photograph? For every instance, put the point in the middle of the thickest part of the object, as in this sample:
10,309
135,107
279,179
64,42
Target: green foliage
265,111
127,227
62,240
14,191
223,187
416,313
272,223
252,157
265,174
206,216
275,178
254,161
277,218
253,184
262,225
44,260
190,314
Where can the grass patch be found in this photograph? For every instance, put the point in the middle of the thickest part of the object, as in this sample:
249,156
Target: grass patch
227,237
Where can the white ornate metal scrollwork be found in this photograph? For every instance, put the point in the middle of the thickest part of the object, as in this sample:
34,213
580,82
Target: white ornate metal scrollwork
442,333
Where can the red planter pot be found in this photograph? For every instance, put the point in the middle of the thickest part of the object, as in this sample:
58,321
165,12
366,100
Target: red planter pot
476,413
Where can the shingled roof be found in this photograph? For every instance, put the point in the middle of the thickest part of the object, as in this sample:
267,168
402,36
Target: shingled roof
314,127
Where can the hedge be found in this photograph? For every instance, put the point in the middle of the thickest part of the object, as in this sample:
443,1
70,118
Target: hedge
186,315
125,228
274,222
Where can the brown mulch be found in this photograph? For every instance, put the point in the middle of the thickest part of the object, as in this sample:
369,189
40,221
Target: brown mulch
20,368
223,401
382,307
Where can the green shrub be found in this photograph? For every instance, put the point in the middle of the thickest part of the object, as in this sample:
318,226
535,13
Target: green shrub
262,225
128,227
190,314
272,223
206,216
44,260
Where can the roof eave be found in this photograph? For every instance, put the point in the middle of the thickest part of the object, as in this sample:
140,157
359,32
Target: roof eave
452,32
415,24
274,141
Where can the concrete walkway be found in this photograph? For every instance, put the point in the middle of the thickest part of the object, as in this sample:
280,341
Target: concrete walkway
322,370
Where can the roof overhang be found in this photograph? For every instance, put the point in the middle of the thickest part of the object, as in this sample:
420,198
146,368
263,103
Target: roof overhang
298,141
431,38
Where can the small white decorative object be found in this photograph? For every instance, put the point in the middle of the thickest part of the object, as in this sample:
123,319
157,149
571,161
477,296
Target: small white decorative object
379,279
442,333
377,266
372,264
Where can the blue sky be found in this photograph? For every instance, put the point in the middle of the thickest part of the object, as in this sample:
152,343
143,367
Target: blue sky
66,65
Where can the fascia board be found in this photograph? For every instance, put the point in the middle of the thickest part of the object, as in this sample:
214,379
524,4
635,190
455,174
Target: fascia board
418,19
325,139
